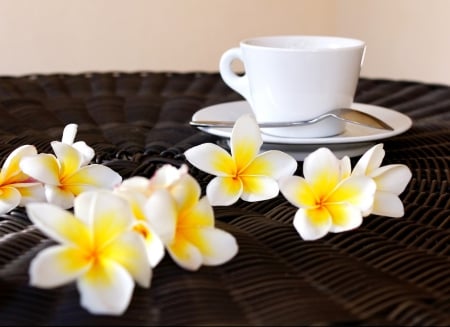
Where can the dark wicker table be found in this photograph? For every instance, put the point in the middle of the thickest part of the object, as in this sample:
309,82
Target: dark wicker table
387,272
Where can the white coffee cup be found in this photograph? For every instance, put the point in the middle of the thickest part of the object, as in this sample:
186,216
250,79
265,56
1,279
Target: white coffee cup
296,77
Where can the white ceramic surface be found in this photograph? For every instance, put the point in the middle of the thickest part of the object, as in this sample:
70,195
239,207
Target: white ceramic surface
290,78
353,141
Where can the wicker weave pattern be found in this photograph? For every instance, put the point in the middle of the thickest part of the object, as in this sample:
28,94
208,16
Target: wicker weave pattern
387,272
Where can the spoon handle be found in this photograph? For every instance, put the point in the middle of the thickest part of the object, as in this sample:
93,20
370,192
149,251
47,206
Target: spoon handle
230,124
348,115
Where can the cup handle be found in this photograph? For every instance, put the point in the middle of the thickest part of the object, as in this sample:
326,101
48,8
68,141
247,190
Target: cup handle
238,83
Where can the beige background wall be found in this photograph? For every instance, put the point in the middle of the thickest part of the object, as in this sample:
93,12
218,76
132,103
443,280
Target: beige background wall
406,39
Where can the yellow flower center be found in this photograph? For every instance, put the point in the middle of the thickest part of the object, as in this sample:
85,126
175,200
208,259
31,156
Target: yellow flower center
93,255
321,201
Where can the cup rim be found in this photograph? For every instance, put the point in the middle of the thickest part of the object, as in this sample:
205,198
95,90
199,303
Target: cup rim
345,43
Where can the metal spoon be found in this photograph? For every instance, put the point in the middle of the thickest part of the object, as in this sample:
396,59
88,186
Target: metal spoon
348,115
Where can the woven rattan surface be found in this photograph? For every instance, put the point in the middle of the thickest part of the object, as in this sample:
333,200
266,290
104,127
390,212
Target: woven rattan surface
387,272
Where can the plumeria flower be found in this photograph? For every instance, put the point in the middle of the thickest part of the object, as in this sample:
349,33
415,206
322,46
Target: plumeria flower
17,188
245,173
97,248
329,200
391,180
137,190
185,223
68,174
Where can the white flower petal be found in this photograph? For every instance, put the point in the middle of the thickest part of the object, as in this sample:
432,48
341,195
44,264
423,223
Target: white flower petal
69,158
155,248
387,204
307,230
200,215
224,191
211,159
107,214
9,199
129,250
136,183
392,178
273,163
161,213
370,160
58,196
359,191
345,217
245,141
87,153
215,245
108,291
297,191
258,188
11,165
135,199
346,167
31,192
69,133
92,176
57,223
83,207
167,175
322,170
185,254
54,266
42,167
185,191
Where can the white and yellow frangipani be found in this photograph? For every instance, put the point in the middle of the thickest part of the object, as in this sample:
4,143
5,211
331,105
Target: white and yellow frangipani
97,247
329,200
245,173
186,225
138,189
68,174
391,181
17,188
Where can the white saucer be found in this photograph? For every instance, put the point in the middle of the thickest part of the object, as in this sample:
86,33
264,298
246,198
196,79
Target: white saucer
354,141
